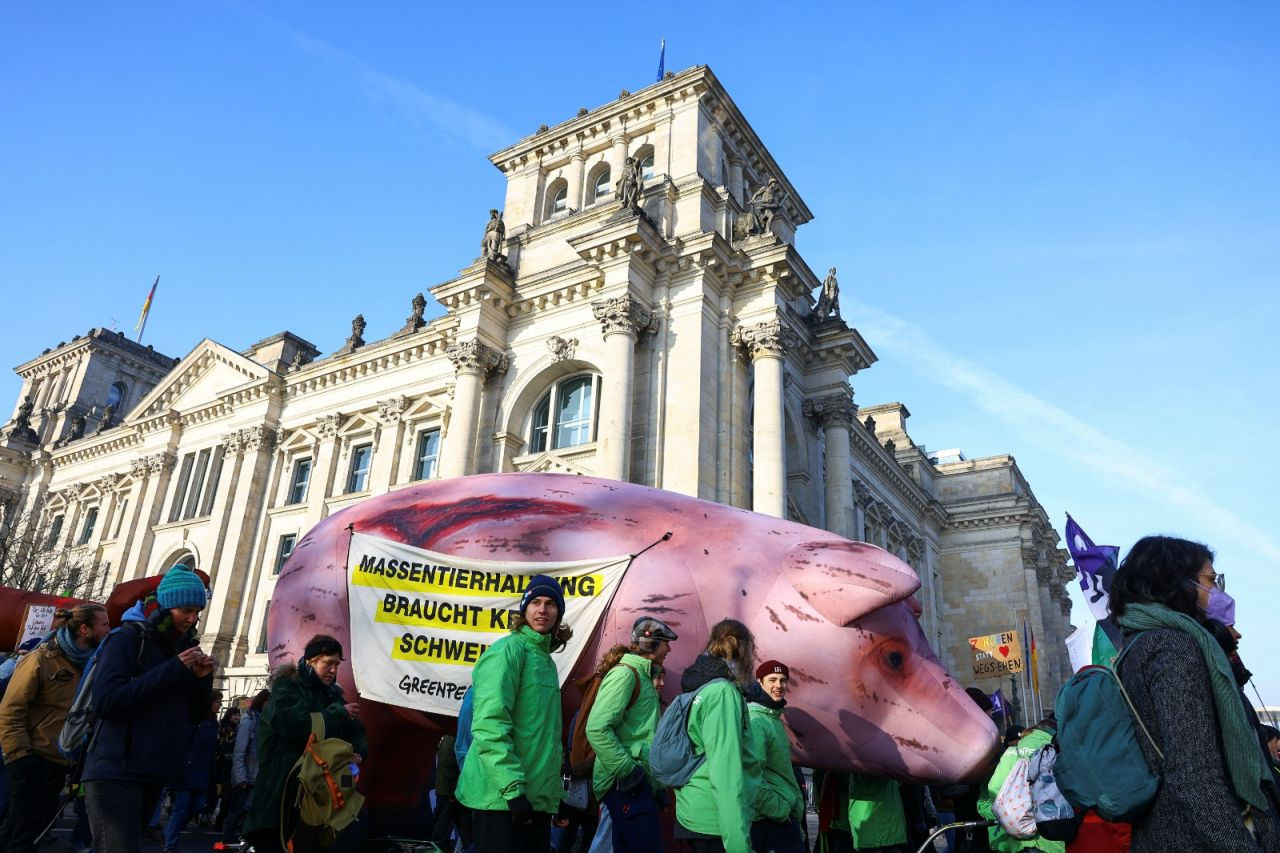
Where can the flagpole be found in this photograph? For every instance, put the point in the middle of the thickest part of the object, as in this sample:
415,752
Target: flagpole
146,309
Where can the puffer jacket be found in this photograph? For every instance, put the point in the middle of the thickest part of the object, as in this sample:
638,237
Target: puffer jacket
148,702
515,726
36,702
717,799
621,735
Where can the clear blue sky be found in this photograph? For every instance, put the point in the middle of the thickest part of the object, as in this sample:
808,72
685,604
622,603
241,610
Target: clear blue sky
1057,224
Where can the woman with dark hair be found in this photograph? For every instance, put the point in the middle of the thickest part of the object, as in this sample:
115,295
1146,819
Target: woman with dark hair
1212,795
713,811
285,726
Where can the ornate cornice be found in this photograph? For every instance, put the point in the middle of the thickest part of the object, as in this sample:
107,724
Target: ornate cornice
159,463
832,410
475,357
622,315
770,338
327,427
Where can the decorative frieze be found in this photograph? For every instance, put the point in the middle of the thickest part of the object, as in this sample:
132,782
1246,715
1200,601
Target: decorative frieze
329,425
770,338
475,357
622,315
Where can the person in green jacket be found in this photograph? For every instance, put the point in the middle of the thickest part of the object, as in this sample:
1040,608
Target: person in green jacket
511,777
285,726
779,804
620,731
1031,740
713,811
877,822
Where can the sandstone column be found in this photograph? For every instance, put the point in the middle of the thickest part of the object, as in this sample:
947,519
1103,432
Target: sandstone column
473,362
767,343
834,413
617,158
574,177
159,469
622,319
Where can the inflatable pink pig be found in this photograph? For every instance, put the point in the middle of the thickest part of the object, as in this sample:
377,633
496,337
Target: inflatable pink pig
868,693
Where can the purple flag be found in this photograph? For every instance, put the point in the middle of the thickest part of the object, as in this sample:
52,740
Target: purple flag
1096,564
998,705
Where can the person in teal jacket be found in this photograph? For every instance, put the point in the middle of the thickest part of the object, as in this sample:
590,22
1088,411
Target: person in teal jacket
713,811
877,821
620,729
1031,740
511,777
778,807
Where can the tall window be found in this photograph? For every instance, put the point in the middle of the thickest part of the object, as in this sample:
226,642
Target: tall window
262,638
115,396
560,201
197,483
361,458
301,477
285,548
565,417
601,187
90,522
424,464
646,166
55,533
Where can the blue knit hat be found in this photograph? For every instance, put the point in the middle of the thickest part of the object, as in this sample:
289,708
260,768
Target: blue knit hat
181,587
543,585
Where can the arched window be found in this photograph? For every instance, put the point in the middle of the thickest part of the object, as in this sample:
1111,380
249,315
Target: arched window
566,416
186,558
557,198
600,188
646,166
115,397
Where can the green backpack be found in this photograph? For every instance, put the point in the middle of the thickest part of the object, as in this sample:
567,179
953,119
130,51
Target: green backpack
1100,764
327,800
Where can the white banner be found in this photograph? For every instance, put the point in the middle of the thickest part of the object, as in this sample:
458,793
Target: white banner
420,620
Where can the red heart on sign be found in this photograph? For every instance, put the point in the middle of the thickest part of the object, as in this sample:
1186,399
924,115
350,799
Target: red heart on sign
1004,651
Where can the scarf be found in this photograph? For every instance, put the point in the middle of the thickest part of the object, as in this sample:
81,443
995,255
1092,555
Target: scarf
78,656
307,675
161,621
1245,766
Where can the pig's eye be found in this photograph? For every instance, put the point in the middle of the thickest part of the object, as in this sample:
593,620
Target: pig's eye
895,659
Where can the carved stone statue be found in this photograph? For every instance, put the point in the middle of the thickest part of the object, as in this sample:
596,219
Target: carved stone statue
78,423
357,336
870,424
21,428
495,235
629,187
765,202
829,300
108,419
414,321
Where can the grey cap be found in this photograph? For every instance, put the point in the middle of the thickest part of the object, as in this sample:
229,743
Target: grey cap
647,632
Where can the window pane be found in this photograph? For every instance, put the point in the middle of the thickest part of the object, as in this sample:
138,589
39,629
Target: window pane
301,475
424,467
211,482
180,491
541,417
646,167
55,533
560,201
116,396
286,548
360,458
573,412
262,640
90,521
602,184
197,483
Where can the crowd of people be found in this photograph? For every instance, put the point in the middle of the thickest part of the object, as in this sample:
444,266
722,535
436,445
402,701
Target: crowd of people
513,780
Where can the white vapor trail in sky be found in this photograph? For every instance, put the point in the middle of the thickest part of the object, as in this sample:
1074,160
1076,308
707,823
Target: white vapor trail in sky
1119,464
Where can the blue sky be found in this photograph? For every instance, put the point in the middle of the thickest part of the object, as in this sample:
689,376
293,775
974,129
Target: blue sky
1057,224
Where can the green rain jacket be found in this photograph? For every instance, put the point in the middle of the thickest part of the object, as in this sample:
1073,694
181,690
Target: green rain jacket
717,800
621,736
778,797
515,727
876,818
1000,840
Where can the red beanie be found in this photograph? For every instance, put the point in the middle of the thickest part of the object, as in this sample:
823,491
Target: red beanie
770,667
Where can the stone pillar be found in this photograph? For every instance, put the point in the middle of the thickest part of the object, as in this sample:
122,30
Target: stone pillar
574,176
735,178
767,343
617,157
386,444
322,471
622,319
472,362
835,413
159,468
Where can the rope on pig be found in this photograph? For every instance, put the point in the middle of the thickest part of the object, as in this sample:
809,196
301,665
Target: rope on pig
659,541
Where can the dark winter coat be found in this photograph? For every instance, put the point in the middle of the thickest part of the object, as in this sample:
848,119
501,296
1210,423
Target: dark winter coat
147,708
282,734
197,764
1196,808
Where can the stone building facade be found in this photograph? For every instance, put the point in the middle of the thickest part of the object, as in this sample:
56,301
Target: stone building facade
674,342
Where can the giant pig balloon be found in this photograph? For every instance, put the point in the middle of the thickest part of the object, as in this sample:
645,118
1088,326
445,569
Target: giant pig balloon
868,693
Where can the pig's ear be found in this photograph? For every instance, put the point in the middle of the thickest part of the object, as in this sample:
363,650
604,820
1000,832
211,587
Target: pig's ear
845,580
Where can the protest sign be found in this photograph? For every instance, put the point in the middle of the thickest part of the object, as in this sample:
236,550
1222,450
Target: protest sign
36,622
996,655
420,620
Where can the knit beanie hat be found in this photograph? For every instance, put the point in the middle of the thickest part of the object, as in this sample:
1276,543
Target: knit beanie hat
770,667
543,585
181,587
647,632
